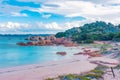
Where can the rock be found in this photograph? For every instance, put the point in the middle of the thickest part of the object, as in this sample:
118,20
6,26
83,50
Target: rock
35,38
32,43
59,41
21,44
49,40
61,53
78,53
46,42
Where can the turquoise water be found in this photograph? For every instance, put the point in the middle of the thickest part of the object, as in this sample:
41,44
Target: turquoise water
15,55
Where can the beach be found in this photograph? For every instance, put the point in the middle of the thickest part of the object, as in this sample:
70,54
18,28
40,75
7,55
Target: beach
48,70
42,62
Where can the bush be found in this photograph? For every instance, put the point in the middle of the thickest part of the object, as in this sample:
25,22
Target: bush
83,78
60,34
116,39
97,71
49,79
94,75
88,41
70,77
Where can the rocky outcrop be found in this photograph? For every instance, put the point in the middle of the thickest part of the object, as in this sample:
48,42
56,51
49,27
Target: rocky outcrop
48,40
90,53
61,53
35,38
22,44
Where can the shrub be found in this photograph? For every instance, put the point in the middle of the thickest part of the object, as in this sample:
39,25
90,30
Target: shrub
70,76
88,41
83,78
49,79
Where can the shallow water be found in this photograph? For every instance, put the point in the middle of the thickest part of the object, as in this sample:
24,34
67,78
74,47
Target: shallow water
15,55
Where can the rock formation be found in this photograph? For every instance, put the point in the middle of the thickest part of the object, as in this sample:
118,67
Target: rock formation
48,40
61,53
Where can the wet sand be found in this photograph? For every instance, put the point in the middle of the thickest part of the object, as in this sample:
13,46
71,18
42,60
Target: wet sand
77,65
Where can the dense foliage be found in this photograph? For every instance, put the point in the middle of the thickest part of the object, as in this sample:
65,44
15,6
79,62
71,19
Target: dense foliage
87,33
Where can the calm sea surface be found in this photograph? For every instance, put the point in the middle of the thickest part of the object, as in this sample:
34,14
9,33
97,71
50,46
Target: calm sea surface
14,55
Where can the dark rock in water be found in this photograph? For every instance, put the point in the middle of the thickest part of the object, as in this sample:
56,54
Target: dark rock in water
22,44
31,43
35,38
61,53
78,53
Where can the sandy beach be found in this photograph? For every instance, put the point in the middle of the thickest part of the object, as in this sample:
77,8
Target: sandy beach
76,65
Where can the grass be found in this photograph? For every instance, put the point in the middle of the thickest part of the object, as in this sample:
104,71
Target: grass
50,79
83,78
97,45
96,73
118,66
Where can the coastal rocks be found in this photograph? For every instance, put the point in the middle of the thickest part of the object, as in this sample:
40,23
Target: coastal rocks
90,53
61,53
79,53
48,40
35,38
64,41
52,38
45,42
31,43
22,44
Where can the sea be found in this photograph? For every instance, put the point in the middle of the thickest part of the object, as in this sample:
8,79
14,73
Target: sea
12,55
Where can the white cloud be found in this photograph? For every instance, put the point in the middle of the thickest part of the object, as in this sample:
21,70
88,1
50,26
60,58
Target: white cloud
19,14
38,27
46,15
9,10
53,25
90,9
12,26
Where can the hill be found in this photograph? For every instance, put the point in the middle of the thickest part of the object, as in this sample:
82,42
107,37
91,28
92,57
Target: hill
98,30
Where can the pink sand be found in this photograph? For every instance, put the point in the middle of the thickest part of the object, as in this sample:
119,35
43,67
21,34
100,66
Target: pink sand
43,71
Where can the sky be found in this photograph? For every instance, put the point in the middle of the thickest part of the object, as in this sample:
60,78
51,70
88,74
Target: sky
52,16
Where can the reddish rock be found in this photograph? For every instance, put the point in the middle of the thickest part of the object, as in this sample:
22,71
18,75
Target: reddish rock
21,44
35,38
52,38
61,53
32,43
59,41
49,40
78,53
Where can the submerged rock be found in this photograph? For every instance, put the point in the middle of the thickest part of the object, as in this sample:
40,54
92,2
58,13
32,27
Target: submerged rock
21,44
61,53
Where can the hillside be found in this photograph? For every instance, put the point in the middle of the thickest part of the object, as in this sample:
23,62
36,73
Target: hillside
98,30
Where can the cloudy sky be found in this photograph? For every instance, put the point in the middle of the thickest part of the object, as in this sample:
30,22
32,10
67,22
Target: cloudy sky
51,16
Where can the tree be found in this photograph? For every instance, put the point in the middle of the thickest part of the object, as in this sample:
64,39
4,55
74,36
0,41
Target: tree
60,34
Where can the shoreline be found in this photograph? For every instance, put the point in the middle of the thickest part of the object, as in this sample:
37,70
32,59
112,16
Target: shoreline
46,70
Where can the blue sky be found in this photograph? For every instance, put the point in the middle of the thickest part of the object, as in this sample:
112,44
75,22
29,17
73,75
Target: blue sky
52,16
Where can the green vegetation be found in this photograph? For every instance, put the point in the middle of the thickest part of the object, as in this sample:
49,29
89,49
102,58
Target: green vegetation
70,76
83,78
97,74
97,71
118,67
103,48
50,79
87,33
